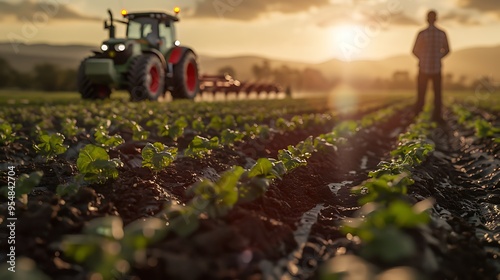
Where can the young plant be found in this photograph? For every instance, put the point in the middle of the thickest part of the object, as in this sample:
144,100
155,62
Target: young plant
228,137
7,134
217,198
22,187
108,249
105,140
255,182
216,123
138,133
382,230
289,160
229,122
485,129
95,165
156,157
175,130
198,125
200,146
69,128
50,145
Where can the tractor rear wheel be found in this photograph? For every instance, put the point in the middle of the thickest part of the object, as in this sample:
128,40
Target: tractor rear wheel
146,78
186,80
89,90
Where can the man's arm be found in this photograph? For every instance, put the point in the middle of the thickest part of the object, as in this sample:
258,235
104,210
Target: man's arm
445,49
417,48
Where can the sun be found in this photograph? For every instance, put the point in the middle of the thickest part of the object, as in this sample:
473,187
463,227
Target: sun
345,33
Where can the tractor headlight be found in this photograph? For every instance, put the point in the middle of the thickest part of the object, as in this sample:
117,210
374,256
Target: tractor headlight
120,47
104,47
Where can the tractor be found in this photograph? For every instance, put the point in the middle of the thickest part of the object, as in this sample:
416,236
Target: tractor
148,62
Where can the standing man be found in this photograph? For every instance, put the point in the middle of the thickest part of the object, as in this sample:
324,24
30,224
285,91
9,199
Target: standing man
430,47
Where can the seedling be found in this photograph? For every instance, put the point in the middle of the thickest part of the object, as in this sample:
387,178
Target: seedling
22,187
95,165
7,134
200,146
156,157
50,145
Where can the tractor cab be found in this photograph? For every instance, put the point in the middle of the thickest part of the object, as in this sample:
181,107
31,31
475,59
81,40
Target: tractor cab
153,30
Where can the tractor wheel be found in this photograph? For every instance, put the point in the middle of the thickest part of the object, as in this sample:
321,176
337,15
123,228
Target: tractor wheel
186,80
146,78
89,90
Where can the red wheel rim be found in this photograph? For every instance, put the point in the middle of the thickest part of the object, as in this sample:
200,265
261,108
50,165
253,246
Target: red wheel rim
155,79
102,92
190,76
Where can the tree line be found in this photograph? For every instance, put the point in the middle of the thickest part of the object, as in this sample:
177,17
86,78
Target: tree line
45,76
313,79
305,79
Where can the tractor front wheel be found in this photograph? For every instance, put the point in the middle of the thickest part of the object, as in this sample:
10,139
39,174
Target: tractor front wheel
89,90
186,80
146,78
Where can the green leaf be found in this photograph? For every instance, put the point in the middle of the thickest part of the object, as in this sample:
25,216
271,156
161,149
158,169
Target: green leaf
94,163
389,245
25,183
67,189
289,160
105,140
51,145
227,186
253,188
109,226
156,157
262,167
182,220
7,134
229,137
89,154
198,125
200,146
215,123
229,122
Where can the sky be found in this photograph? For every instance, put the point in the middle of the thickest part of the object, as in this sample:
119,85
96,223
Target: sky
300,30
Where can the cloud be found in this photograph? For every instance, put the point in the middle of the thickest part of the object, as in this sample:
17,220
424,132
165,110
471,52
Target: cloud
362,15
460,18
485,7
394,19
481,5
252,9
402,19
30,10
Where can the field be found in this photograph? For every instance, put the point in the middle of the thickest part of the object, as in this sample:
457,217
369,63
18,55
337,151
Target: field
344,185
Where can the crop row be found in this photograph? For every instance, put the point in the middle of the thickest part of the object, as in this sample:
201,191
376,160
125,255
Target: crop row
110,130
387,221
482,127
209,200
98,243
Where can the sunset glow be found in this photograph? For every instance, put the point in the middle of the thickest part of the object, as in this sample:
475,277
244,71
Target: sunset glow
266,28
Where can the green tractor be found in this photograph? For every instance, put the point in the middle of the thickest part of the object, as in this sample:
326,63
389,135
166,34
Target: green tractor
148,62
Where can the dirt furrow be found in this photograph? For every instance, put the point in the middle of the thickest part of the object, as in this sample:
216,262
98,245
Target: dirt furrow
325,181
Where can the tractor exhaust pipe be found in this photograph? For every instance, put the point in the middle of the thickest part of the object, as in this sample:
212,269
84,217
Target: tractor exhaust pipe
111,25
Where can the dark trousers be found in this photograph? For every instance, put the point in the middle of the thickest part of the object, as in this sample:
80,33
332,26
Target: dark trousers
423,79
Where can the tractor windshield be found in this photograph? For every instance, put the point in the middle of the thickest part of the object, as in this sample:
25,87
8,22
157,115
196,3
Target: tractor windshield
142,28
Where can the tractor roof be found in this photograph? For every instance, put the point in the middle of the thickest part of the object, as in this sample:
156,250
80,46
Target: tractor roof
157,15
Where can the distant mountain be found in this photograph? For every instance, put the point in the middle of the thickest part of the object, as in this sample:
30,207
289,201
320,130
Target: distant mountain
65,56
472,63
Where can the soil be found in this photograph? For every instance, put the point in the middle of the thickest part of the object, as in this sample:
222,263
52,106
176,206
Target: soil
290,231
